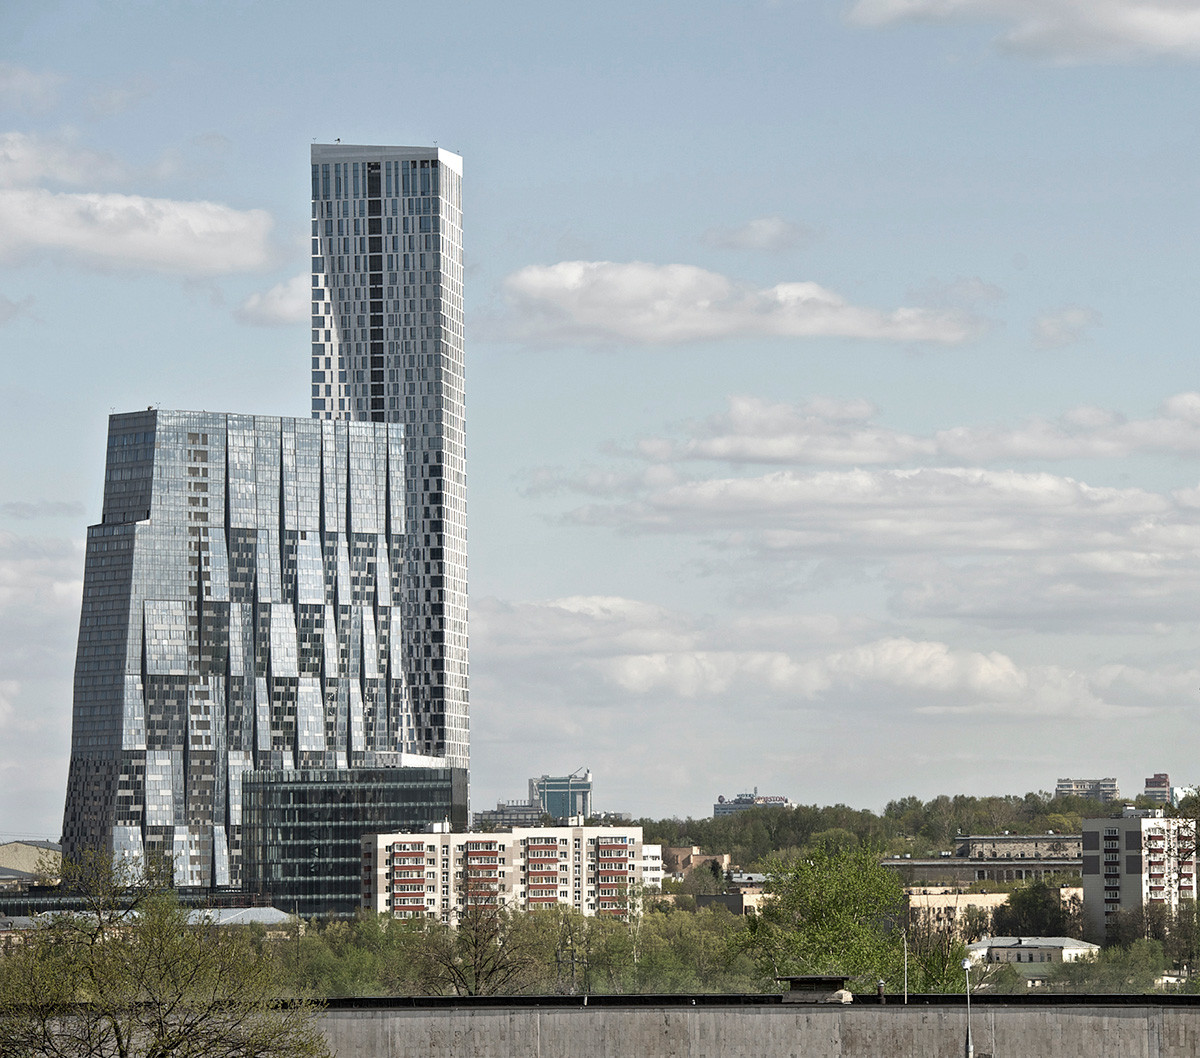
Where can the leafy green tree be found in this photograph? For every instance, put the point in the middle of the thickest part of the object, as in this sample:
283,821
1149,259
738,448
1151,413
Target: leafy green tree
1133,969
135,976
830,913
490,951
1036,909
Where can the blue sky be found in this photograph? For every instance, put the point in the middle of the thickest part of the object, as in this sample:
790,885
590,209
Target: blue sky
832,394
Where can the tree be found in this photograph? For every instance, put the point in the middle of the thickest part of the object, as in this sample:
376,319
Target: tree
1132,969
135,977
1036,909
830,913
492,950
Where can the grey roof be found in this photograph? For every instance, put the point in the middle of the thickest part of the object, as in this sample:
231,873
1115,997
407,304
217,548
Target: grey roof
1030,942
242,916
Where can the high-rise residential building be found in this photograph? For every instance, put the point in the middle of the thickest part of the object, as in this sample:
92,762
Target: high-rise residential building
243,614
1138,861
1158,787
1105,790
596,870
387,346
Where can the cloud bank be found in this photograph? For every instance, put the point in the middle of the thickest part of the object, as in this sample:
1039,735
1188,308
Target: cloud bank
1072,31
846,433
607,301
114,231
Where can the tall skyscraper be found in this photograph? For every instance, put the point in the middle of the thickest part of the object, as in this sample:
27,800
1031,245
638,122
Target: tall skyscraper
387,346
283,601
241,615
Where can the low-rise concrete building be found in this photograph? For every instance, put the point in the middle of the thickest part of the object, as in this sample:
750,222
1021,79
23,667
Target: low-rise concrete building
1030,950
1006,846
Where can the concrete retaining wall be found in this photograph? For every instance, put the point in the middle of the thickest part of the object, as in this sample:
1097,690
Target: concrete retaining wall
769,1031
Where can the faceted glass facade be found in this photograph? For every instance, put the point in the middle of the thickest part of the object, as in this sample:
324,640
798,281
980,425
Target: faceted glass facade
245,608
387,346
303,829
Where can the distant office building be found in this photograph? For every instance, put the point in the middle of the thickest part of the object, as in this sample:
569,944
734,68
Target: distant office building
596,870
1158,788
303,829
1094,789
508,814
995,858
745,801
563,796
560,797
1139,860
1033,958
243,611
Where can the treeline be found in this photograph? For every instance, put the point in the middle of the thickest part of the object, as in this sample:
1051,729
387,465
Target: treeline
907,825
555,951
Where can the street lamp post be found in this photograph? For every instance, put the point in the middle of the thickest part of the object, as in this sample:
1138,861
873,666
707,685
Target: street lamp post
966,965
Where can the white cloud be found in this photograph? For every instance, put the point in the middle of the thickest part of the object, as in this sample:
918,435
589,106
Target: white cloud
26,161
820,431
107,230
661,304
647,651
1127,587
1063,30
769,234
963,509
284,304
1065,326
27,90
112,231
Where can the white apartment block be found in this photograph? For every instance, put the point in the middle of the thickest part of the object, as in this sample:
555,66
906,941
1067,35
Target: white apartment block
596,870
1140,859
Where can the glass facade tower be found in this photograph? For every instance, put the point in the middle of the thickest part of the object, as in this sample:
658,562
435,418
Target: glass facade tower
387,346
242,614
